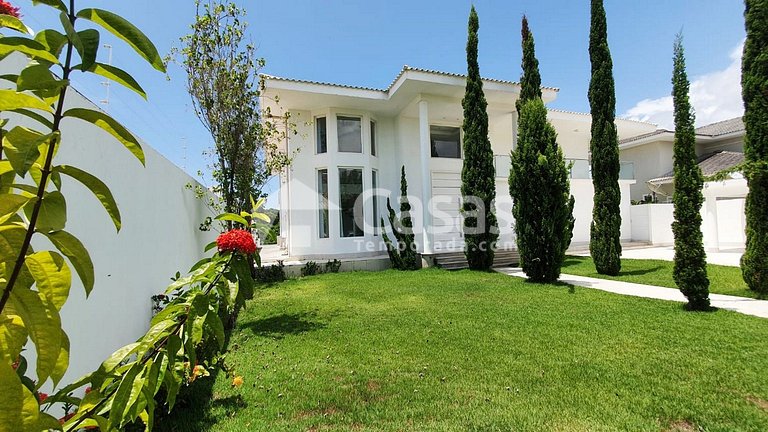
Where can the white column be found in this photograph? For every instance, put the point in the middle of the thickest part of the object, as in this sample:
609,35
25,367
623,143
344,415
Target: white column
513,116
426,178
711,235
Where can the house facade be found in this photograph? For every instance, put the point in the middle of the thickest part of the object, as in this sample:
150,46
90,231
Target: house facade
351,143
719,147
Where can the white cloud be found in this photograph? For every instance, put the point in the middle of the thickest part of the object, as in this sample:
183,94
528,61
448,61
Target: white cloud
715,96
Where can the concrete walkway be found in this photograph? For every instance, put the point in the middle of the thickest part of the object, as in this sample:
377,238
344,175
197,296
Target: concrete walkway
747,306
726,257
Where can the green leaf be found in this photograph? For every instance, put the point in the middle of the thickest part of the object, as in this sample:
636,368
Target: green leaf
72,35
62,361
58,4
30,47
99,189
209,246
110,125
19,410
71,247
90,43
125,393
14,23
10,100
126,31
21,147
44,326
232,217
10,204
11,239
53,213
35,116
52,276
13,337
117,75
38,77
118,356
52,40
213,322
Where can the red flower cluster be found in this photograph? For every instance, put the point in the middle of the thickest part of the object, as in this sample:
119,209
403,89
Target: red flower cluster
236,240
9,9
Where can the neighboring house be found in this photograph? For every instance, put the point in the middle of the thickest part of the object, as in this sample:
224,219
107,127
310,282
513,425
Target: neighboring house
719,147
352,141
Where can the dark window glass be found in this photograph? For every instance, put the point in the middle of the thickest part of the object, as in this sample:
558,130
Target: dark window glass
322,192
350,134
373,138
350,189
322,135
374,186
445,141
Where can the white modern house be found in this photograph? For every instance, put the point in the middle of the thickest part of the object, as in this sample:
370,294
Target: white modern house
352,142
719,146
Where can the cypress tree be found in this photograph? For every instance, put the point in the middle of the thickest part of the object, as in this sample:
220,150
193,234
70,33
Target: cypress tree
530,81
754,85
605,232
539,180
478,176
690,267
402,252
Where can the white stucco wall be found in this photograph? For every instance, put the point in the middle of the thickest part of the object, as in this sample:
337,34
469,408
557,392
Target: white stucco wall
651,161
583,194
652,223
159,236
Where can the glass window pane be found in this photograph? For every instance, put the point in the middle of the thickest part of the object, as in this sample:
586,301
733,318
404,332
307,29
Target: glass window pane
322,135
374,186
322,192
350,134
445,141
373,138
350,189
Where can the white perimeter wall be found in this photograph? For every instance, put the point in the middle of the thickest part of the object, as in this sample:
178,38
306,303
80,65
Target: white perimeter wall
159,236
583,193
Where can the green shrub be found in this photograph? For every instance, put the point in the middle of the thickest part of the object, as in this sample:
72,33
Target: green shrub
478,175
754,84
605,231
402,252
270,274
690,268
311,269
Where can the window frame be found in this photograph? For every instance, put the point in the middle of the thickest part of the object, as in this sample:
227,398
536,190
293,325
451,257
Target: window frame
317,134
359,118
460,142
355,228
374,130
323,210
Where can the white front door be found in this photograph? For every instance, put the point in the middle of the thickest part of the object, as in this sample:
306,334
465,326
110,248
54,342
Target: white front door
447,232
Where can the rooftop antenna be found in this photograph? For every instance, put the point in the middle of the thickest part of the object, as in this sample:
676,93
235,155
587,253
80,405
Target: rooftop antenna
107,83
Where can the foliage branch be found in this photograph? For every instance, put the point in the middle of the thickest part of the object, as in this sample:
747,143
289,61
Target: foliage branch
225,86
402,251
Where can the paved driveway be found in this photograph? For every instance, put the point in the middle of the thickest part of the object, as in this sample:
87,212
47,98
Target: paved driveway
667,253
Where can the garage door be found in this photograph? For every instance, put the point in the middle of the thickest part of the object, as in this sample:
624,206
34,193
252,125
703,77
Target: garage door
446,218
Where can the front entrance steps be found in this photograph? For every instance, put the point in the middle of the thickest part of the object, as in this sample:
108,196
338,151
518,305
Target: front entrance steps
457,260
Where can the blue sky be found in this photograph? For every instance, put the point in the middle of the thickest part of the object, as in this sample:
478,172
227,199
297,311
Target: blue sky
367,43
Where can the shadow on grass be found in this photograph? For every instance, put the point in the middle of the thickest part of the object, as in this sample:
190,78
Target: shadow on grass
640,272
279,326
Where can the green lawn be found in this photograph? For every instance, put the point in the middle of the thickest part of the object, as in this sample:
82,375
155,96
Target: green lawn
464,351
722,279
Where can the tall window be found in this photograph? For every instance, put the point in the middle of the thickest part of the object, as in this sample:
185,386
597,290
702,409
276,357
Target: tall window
350,189
322,192
350,134
321,132
373,138
445,141
374,186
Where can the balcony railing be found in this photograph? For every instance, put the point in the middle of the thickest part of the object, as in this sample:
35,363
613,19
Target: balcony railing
580,168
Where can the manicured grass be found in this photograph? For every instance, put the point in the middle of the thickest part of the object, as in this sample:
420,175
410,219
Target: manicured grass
464,351
722,279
